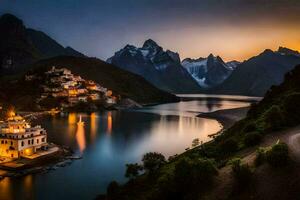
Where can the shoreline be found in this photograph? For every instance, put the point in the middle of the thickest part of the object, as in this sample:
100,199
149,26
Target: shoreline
226,117
24,166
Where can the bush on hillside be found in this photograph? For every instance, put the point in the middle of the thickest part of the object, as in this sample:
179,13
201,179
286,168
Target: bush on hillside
278,155
153,161
260,156
252,138
241,172
229,146
133,170
188,177
272,119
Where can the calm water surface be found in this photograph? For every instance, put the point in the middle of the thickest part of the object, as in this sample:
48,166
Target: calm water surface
108,141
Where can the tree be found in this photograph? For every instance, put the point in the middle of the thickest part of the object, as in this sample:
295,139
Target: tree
152,161
190,174
132,170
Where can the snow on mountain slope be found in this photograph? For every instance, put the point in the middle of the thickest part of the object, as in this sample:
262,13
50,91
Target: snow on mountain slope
162,68
210,71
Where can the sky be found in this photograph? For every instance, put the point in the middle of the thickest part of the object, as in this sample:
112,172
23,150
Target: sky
232,29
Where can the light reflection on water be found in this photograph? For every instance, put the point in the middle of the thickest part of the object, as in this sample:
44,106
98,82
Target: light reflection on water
108,141
80,137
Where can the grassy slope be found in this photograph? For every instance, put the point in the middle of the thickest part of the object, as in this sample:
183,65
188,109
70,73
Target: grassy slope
262,119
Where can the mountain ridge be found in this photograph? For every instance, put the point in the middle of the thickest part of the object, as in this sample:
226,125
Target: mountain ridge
161,68
256,75
20,46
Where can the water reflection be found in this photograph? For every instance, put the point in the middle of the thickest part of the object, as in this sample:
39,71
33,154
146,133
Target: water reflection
28,190
80,137
72,118
5,189
109,122
213,105
94,126
191,108
108,141
173,134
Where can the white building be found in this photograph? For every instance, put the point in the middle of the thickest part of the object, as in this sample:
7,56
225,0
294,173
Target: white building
18,138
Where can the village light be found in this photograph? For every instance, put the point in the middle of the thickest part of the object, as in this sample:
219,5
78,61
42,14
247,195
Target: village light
27,151
11,113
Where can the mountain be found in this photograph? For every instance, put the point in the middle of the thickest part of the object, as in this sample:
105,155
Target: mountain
122,82
49,47
20,46
256,75
162,68
210,71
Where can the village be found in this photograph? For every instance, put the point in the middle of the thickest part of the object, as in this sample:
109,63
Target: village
25,149
22,144
69,90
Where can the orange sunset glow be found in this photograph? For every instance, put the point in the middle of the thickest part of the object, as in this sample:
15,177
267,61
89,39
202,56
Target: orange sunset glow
231,42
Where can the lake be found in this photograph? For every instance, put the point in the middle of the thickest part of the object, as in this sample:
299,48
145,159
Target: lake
111,139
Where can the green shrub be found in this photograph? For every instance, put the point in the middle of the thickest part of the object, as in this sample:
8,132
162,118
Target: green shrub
241,172
229,146
192,173
272,119
152,161
260,156
252,138
132,170
278,155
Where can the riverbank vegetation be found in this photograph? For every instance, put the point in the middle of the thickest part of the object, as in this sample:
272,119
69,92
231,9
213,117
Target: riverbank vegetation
194,174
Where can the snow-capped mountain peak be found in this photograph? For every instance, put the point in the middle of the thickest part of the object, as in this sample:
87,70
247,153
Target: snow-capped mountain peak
162,68
210,71
150,44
